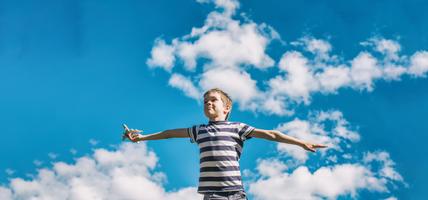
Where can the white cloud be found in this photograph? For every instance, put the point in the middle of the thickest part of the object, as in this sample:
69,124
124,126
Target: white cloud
298,82
52,155
333,78
234,46
5,193
393,72
302,130
419,64
186,85
73,151
229,6
225,42
93,142
320,48
326,182
233,43
315,130
238,84
9,172
270,167
334,174
126,173
387,170
364,71
38,163
341,127
162,55
389,48
275,104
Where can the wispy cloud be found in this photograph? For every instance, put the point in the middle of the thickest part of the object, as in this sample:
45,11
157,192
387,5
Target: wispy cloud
73,151
9,171
93,142
38,163
52,155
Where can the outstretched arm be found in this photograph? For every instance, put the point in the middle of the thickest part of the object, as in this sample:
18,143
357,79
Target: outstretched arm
134,136
277,136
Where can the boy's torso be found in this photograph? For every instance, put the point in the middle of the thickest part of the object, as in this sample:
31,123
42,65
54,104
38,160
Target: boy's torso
220,145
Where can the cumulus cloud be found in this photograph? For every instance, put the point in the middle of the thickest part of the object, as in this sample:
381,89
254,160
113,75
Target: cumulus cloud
231,43
125,173
387,47
162,56
285,177
238,84
330,181
387,165
223,46
186,85
5,193
298,82
326,182
270,167
316,129
320,48
419,64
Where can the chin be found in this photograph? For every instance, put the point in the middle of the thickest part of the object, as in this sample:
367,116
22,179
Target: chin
210,116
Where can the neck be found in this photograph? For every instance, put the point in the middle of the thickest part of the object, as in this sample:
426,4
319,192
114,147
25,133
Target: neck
217,119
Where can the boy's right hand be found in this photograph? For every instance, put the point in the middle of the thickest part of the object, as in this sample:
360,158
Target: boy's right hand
131,134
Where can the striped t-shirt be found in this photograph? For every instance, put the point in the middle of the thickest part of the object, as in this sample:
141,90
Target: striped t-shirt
220,146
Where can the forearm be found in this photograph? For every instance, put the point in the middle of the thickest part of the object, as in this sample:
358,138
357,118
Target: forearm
155,136
174,133
283,138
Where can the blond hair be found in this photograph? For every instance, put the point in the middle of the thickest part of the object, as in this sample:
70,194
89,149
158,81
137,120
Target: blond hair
224,97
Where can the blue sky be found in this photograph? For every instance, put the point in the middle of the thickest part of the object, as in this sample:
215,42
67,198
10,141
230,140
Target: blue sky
71,72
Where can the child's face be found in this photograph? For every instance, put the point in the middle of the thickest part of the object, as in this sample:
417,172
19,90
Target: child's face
214,107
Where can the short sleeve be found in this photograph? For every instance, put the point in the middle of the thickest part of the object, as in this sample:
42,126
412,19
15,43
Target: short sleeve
193,133
244,131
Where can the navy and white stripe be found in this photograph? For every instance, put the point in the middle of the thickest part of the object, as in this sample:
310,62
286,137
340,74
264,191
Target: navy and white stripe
220,146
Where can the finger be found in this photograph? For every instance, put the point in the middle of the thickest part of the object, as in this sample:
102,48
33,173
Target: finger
126,135
134,136
131,137
309,148
320,146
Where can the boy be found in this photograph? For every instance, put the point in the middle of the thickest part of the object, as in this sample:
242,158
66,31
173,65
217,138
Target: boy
220,144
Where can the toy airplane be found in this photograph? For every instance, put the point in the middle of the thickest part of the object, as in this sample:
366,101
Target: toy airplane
127,132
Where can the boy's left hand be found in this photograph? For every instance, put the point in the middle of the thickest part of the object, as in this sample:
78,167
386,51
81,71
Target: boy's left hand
131,134
312,147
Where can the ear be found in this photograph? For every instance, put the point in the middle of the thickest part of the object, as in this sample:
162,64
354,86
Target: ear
228,108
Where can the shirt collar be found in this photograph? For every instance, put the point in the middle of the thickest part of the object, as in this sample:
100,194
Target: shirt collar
218,122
